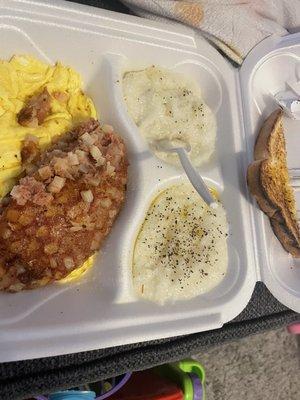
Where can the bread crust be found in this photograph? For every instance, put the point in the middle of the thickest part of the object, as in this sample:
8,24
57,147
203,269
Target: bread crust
262,145
263,183
257,189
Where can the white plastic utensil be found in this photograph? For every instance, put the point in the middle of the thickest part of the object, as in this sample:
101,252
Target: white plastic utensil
182,149
289,100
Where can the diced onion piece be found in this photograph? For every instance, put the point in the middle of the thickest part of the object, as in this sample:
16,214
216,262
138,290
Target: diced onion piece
113,192
97,155
83,168
74,223
87,139
87,196
73,158
53,263
94,180
45,172
110,168
76,228
96,241
17,287
81,154
107,128
69,262
57,184
61,166
112,213
106,203
95,136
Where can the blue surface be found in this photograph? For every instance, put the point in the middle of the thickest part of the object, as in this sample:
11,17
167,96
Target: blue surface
73,395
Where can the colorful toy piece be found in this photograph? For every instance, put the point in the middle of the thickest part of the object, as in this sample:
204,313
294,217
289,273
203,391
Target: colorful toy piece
73,395
189,375
183,380
148,385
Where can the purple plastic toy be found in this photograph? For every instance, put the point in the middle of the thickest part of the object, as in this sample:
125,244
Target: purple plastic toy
109,393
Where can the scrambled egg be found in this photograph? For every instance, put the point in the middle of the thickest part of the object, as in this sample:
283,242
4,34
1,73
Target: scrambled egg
20,78
79,272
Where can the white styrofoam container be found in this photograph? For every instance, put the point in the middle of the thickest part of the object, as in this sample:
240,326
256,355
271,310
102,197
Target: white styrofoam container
101,310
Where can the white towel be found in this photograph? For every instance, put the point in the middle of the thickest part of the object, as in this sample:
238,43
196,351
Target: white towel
234,26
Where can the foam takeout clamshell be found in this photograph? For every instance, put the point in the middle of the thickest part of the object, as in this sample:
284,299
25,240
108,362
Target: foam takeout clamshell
101,310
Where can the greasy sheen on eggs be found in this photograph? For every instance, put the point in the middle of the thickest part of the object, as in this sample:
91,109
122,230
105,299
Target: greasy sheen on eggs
181,248
20,78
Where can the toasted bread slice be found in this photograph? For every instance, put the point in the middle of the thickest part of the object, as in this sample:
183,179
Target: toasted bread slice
269,182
